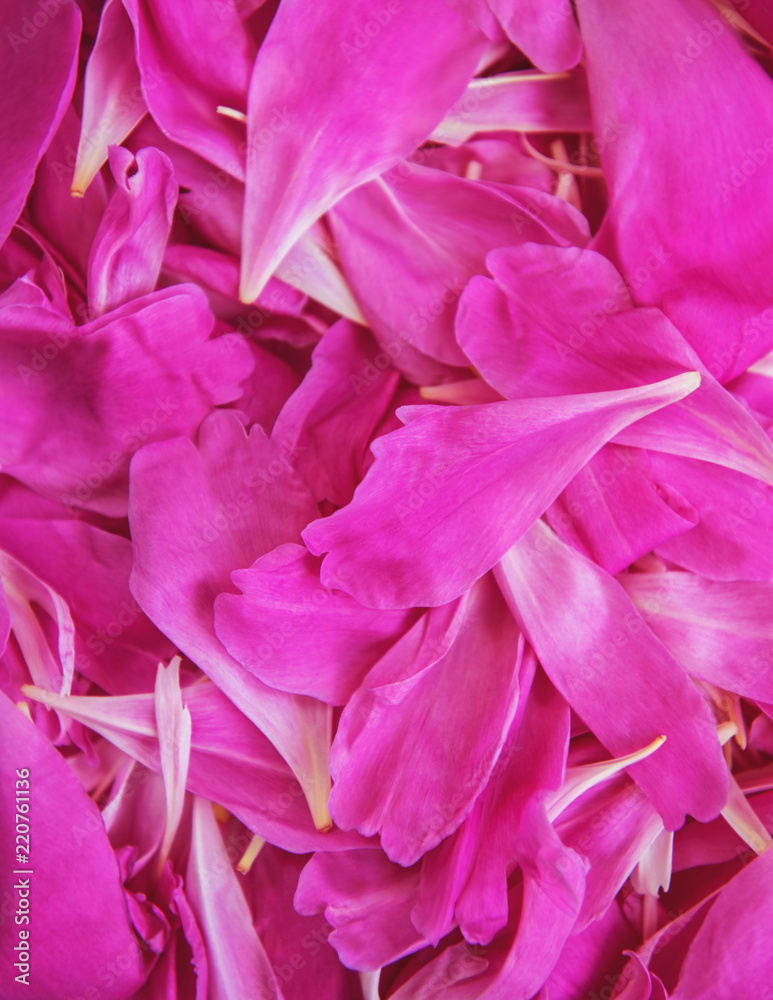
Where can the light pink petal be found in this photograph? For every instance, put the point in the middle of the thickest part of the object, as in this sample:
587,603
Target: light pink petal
708,270
115,644
113,102
383,89
616,674
173,725
413,752
238,966
452,491
128,248
78,922
296,635
524,101
37,78
721,632
231,761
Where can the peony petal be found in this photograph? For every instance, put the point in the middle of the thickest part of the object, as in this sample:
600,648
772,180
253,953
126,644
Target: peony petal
377,103
628,689
449,493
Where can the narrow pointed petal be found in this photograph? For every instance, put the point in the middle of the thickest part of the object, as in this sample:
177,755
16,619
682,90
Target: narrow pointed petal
377,106
454,475
628,689
237,963
561,319
522,102
173,724
112,97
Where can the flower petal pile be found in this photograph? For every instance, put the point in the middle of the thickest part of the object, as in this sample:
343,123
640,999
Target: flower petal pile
386,500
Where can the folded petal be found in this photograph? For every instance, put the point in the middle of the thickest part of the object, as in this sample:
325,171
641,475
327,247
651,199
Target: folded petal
296,635
547,35
113,102
450,492
381,90
395,758
627,687
129,245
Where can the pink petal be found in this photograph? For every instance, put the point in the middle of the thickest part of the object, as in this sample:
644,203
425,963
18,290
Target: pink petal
395,758
378,103
708,271
449,493
78,923
113,102
629,689
37,78
128,248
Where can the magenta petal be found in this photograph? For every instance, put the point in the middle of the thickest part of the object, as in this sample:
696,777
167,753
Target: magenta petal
721,632
237,963
730,955
368,900
112,97
296,635
627,688
37,78
129,245
379,96
615,512
431,254
396,756
449,493
142,372
78,922
708,271
547,34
